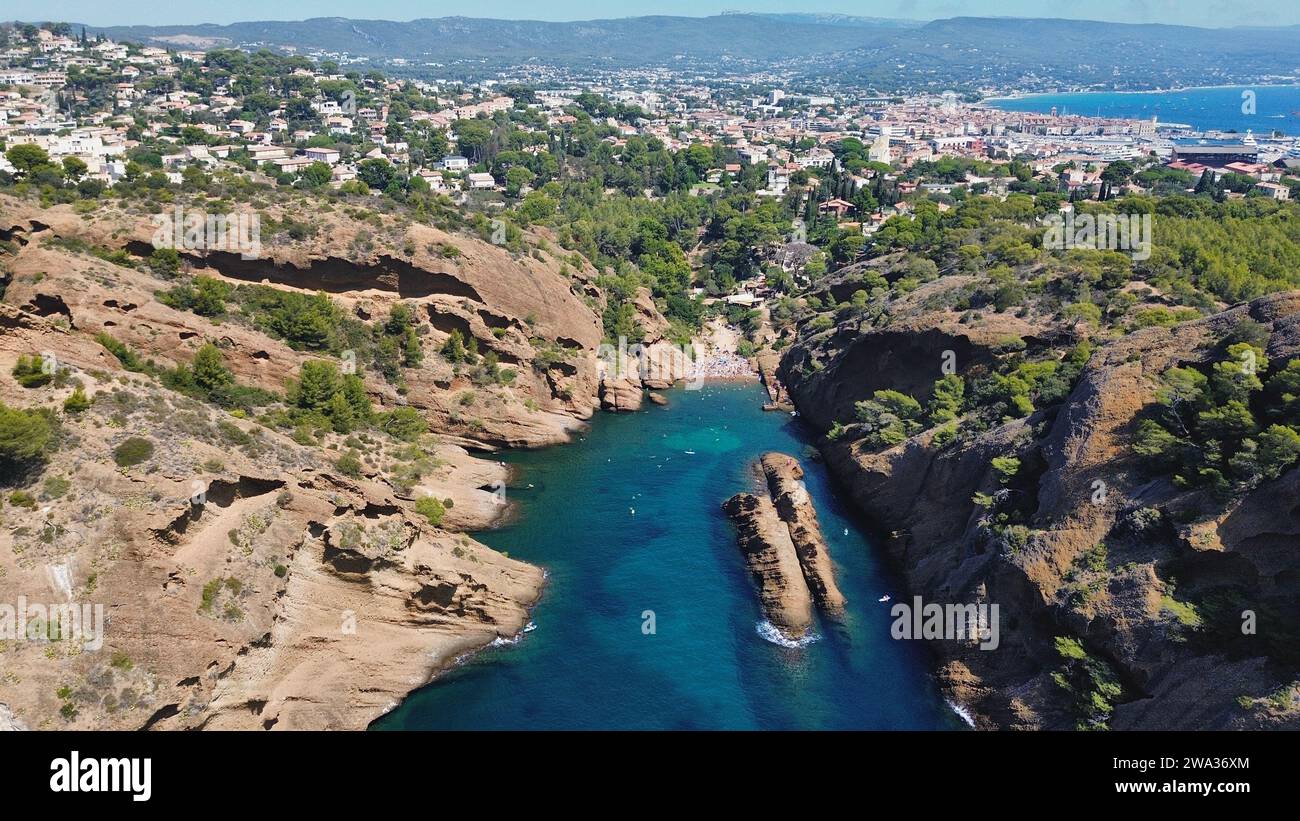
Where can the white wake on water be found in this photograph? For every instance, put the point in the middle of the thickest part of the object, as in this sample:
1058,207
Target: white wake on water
500,641
769,632
962,712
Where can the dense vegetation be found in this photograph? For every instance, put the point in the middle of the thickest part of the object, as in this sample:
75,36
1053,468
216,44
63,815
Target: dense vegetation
1227,429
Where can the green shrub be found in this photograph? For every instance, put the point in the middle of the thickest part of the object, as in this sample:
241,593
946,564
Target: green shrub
55,487
947,400
124,355
1007,468
27,437
133,451
404,423
78,402
431,509
1091,683
31,372
1093,559
349,464
165,261
945,435
206,296
889,417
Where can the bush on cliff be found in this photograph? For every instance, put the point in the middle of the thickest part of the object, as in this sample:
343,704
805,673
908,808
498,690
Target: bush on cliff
888,417
431,509
31,372
27,438
132,451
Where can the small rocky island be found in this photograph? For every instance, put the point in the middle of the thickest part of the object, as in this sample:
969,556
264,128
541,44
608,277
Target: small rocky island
784,548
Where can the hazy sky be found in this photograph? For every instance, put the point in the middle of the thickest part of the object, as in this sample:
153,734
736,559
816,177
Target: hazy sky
1215,13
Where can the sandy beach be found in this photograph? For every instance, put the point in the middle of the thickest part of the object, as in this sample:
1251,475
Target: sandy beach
718,358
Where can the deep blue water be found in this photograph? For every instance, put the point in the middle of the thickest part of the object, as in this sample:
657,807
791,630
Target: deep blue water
588,665
1276,107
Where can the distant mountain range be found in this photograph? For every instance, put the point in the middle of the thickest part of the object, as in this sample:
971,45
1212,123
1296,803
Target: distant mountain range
963,52
834,19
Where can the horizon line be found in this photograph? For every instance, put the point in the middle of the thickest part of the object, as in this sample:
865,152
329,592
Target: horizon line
727,13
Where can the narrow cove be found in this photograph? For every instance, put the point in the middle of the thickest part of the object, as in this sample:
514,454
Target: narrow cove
628,523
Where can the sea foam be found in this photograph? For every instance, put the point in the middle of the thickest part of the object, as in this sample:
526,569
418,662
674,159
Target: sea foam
961,711
771,633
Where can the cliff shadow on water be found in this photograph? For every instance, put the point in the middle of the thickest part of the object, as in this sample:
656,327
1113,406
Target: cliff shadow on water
650,620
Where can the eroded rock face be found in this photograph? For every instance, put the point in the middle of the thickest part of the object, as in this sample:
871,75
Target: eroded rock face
794,506
350,644
920,495
770,555
538,314
288,596
293,596
784,549
621,395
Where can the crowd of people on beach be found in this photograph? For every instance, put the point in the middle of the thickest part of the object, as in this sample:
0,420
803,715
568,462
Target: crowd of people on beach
724,366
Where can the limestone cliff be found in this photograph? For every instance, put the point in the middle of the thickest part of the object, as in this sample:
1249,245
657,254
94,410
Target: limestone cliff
246,581
1158,610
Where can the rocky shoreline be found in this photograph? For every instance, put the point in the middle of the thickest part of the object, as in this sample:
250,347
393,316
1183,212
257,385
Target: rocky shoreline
921,493
296,596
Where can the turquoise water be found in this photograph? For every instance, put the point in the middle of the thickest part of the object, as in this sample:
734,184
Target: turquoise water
588,665
1277,108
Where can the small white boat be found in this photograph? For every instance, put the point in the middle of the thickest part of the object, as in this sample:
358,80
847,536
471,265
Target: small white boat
883,598
690,453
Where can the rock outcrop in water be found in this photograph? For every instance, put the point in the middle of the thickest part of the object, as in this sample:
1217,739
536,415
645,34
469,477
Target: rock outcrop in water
770,554
784,548
793,504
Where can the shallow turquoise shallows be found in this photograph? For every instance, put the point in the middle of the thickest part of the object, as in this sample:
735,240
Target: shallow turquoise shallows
628,522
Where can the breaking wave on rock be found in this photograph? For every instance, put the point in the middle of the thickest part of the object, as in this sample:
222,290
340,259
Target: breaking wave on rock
770,632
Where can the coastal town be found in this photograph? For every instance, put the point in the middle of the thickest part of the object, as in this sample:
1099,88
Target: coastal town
103,112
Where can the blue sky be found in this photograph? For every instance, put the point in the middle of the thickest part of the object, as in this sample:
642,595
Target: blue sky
1216,13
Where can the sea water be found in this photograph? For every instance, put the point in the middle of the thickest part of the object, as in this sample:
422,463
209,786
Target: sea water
649,619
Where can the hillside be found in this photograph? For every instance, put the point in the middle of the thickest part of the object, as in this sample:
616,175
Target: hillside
963,52
279,536
1064,436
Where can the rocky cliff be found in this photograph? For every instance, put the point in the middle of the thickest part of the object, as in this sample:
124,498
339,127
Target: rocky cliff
1168,605
246,580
